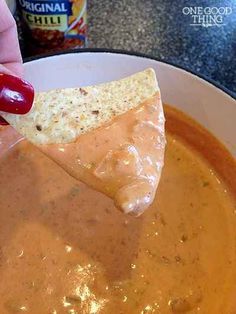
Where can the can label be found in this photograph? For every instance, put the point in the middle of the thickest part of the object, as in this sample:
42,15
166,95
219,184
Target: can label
55,23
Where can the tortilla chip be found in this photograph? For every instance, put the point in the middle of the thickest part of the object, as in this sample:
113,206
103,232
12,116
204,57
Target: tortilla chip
60,116
65,124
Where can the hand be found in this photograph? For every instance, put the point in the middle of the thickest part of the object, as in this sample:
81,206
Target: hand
16,95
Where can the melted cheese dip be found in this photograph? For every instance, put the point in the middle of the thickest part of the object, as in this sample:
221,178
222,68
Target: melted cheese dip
122,159
65,249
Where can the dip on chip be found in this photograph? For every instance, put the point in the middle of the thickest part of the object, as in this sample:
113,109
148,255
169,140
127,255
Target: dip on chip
110,136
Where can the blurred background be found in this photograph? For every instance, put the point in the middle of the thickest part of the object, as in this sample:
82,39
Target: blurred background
164,29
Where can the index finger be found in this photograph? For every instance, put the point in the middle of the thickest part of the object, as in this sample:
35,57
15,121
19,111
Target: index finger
9,45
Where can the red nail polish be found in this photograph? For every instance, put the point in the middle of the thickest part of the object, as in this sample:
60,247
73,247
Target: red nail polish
3,121
16,95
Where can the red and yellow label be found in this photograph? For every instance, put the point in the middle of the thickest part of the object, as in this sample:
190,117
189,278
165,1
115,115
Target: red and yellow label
55,23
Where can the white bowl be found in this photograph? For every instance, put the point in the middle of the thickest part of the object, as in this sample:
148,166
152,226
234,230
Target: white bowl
209,105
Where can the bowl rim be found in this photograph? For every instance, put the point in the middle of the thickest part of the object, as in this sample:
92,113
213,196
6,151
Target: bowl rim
137,54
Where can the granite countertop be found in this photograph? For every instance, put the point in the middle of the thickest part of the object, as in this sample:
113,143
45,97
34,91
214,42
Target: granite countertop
159,28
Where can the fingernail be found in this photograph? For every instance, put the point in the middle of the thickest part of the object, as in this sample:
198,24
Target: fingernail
16,95
3,121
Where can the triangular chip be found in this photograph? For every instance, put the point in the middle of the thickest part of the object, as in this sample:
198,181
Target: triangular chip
110,136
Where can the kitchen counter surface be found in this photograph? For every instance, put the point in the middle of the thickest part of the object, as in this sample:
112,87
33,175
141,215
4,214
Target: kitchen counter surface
161,29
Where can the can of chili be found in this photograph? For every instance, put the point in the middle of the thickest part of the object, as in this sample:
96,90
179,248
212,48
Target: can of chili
52,25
